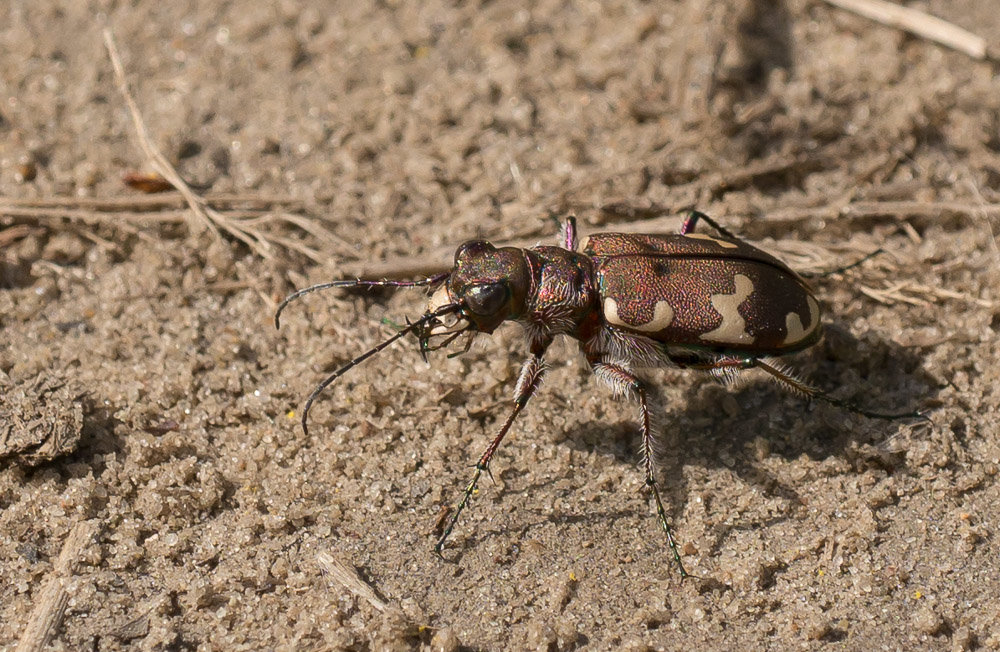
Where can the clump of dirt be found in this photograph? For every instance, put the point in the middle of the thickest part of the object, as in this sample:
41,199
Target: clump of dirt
40,420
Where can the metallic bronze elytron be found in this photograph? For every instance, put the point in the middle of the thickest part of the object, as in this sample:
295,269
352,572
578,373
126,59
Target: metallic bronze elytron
712,293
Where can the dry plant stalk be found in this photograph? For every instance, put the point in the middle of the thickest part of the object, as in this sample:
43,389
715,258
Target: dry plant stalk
206,216
48,612
439,259
918,23
348,577
155,202
14,233
919,295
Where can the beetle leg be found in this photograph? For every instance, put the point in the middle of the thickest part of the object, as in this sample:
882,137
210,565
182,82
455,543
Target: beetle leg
727,367
624,383
528,381
692,220
724,369
789,381
569,233
840,270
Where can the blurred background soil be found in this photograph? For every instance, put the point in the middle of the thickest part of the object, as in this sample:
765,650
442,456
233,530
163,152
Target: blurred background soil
157,491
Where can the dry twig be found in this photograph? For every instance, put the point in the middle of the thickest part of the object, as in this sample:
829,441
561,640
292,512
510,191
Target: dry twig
348,577
866,209
16,232
156,202
206,216
919,23
918,294
48,611
439,259
59,209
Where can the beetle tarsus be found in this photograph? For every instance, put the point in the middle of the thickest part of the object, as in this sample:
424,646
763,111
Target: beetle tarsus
841,270
665,525
469,490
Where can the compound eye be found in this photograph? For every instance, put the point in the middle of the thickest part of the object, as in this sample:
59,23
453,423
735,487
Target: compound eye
473,249
488,299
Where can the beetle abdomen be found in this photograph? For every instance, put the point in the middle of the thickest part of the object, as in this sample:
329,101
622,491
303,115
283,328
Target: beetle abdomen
703,292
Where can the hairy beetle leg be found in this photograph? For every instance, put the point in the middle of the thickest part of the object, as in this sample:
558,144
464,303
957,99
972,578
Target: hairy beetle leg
625,383
528,381
789,381
569,236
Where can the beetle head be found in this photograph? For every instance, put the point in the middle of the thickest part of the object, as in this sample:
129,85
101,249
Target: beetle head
488,286
485,287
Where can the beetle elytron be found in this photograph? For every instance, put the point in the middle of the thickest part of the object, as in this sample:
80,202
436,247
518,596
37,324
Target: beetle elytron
693,300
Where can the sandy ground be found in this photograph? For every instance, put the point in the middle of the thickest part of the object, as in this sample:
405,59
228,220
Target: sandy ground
157,491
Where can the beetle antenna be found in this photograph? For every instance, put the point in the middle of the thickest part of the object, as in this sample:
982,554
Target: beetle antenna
444,310
789,381
356,283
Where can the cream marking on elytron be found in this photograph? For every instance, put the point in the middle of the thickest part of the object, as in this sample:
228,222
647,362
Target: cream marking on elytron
583,243
793,323
733,328
663,314
705,236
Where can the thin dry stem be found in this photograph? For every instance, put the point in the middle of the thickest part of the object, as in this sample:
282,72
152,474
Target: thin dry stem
348,578
439,259
154,202
48,612
918,294
16,232
918,23
866,209
88,216
60,209
206,216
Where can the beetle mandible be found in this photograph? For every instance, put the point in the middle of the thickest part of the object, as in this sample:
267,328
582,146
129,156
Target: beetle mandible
691,300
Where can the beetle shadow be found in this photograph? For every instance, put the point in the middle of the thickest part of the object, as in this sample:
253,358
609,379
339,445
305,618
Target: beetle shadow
761,44
738,430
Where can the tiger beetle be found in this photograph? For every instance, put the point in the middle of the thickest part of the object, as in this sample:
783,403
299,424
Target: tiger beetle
692,300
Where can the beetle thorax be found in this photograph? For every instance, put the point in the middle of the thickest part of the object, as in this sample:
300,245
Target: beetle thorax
563,293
